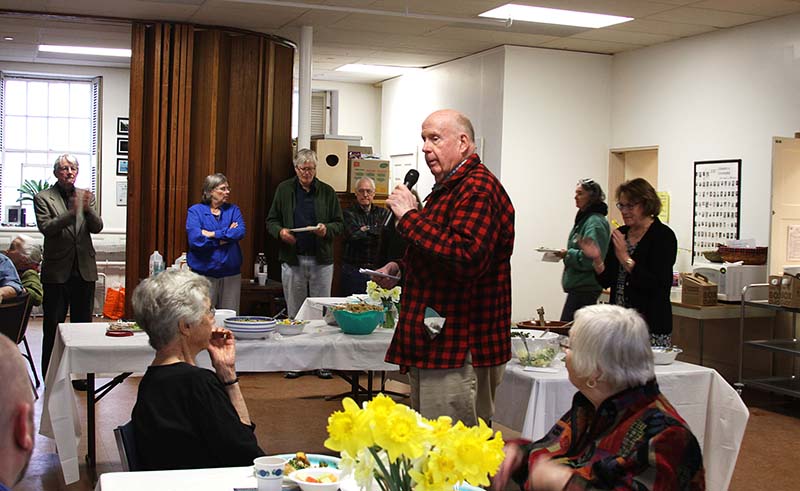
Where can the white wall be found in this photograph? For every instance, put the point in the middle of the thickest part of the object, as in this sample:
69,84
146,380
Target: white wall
556,131
359,110
544,118
115,104
472,85
722,95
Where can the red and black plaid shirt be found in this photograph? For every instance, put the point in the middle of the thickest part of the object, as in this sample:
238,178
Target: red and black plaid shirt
458,263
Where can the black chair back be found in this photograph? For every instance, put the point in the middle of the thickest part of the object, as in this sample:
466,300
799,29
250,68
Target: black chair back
126,445
14,313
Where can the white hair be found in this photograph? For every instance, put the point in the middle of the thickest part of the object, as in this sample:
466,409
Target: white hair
161,302
367,179
305,155
613,340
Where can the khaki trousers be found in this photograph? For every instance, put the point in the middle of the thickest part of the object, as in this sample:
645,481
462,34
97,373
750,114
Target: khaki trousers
465,394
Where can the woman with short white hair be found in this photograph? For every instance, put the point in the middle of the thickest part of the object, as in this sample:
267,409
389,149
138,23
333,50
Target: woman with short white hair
621,432
188,417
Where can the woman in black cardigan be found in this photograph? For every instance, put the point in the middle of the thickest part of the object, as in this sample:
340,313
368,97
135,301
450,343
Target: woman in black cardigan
638,267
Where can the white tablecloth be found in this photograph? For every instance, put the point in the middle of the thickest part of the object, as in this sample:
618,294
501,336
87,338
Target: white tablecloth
533,402
84,348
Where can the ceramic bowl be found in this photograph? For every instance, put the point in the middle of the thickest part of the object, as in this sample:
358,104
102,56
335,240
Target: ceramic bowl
249,322
665,356
358,323
301,475
290,327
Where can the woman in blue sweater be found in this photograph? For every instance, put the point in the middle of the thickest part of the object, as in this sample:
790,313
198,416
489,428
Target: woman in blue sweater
214,228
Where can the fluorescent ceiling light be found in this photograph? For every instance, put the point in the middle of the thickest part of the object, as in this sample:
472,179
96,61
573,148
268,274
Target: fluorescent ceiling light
85,50
553,16
391,71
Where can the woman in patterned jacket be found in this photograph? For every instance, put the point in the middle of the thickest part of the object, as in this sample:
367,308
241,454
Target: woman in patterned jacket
621,432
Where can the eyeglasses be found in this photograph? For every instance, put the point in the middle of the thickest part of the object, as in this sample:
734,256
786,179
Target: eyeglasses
306,170
365,191
586,182
212,311
564,343
222,188
65,168
627,206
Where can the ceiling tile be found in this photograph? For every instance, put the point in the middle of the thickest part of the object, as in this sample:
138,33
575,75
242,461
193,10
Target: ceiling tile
661,27
396,25
625,8
499,37
129,9
707,17
449,8
628,37
589,46
247,16
767,8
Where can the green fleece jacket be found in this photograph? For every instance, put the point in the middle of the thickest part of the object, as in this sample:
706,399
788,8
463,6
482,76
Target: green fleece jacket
578,270
327,209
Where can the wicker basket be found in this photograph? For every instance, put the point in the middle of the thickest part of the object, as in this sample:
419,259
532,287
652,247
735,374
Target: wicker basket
748,255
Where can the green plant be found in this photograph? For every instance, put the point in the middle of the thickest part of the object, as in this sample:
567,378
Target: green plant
31,188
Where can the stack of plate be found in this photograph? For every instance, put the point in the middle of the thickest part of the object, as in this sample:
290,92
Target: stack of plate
250,326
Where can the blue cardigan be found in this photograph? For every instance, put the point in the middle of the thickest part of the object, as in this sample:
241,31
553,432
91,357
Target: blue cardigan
207,256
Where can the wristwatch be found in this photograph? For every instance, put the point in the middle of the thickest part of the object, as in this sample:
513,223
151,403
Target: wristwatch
629,262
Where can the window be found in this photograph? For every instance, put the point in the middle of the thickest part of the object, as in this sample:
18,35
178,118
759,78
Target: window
43,118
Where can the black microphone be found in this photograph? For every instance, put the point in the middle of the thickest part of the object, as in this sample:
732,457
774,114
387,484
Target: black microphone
412,177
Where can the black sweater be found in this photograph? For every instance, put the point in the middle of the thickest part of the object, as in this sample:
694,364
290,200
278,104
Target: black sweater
184,419
647,286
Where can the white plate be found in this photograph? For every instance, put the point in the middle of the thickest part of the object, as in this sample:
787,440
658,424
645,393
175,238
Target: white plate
303,229
546,249
314,458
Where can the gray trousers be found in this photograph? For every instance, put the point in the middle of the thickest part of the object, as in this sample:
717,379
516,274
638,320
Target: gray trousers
307,279
225,292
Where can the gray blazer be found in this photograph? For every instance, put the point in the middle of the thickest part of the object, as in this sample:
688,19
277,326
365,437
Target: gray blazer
65,237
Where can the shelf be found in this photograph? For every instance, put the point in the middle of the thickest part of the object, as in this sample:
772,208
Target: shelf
791,346
789,386
766,305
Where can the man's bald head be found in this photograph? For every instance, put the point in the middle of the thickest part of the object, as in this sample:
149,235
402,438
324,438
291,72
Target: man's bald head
16,414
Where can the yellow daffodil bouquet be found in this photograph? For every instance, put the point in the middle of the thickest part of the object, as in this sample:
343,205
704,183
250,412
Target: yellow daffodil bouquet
390,299
392,445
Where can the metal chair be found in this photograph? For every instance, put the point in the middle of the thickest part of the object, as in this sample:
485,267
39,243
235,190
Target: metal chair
14,315
126,445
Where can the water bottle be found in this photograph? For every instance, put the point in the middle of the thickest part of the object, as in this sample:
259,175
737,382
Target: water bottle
156,263
261,264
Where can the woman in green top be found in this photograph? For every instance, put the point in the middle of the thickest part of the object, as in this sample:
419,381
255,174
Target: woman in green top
579,280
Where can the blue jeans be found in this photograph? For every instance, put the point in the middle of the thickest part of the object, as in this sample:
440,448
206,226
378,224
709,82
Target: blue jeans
307,279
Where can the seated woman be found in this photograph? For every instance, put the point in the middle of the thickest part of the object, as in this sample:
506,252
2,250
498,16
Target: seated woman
621,432
188,417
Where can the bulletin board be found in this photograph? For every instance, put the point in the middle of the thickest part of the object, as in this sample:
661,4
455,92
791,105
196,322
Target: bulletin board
717,204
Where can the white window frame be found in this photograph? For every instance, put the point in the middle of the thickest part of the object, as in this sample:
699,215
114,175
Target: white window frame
93,165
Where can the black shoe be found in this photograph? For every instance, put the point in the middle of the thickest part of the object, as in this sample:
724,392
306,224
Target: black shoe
80,385
324,374
292,374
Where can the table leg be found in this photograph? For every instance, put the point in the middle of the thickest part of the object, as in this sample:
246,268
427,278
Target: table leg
701,321
370,376
90,415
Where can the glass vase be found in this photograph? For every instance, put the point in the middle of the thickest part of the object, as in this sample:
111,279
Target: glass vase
390,314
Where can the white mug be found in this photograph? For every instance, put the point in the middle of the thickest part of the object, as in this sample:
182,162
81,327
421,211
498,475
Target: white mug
269,473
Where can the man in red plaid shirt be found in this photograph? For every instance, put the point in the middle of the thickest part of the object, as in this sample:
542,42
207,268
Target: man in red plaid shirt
453,335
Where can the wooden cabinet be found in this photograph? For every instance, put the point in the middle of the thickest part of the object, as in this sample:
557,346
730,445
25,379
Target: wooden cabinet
261,300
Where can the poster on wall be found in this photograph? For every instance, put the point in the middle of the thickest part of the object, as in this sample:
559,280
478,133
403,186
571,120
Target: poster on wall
717,205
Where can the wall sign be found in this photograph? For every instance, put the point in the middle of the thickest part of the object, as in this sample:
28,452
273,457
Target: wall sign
717,204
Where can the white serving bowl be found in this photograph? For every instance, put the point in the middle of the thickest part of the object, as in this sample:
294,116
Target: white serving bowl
289,327
300,475
248,322
251,334
665,356
537,342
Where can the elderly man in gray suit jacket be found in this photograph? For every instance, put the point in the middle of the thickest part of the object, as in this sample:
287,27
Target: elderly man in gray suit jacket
66,216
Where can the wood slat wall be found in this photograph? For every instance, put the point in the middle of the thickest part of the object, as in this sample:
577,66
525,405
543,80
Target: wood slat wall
204,100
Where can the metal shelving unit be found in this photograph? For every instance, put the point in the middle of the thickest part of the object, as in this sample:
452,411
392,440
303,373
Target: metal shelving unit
790,385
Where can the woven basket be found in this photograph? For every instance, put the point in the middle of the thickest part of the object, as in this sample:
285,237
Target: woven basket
748,255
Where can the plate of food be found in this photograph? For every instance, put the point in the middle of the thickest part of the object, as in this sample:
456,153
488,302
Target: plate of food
124,326
302,460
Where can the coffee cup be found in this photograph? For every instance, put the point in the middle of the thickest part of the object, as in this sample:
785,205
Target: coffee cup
269,473
262,279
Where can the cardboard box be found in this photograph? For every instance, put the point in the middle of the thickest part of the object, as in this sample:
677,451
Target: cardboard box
697,290
790,291
332,163
378,170
775,289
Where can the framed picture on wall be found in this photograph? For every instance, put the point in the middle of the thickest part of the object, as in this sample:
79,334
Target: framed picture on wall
717,204
122,146
122,167
122,126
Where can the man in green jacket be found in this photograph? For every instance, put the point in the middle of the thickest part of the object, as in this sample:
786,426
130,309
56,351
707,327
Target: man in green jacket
305,215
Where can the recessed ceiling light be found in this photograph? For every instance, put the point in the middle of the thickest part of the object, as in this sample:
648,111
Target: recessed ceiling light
8,38
553,16
86,50
391,71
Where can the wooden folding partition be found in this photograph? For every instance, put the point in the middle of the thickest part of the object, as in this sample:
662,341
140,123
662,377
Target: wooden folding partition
204,100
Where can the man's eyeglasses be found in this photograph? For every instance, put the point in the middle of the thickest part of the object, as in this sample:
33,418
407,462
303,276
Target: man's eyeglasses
586,182
368,192
65,168
627,206
306,170
564,343
212,311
